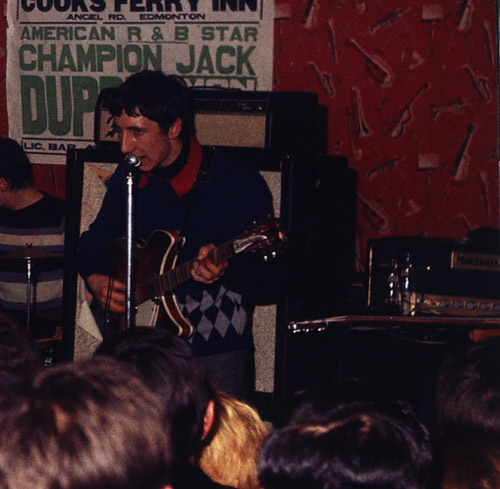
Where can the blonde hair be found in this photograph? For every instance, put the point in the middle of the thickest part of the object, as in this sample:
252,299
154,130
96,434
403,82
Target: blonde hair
231,456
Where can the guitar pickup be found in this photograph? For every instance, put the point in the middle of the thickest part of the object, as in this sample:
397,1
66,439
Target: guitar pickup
155,287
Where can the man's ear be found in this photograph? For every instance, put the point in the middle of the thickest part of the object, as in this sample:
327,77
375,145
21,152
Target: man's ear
208,419
175,129
4,184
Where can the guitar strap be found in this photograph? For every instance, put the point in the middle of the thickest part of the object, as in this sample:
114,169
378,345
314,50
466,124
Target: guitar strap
203,176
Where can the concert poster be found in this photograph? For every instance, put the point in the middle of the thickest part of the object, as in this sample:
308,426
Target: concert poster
62,53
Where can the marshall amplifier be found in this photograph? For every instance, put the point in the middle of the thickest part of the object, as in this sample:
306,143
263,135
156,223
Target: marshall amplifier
421,276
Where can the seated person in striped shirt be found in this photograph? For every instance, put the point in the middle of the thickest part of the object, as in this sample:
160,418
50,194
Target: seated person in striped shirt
31,225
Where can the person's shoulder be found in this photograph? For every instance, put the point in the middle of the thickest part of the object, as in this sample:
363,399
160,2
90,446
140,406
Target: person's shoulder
49,211
191,476
52,200
233,159
51,203
230,164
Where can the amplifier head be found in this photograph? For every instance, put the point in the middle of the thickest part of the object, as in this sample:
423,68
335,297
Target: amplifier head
447,276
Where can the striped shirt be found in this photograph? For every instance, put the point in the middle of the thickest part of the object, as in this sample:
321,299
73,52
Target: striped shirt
40,226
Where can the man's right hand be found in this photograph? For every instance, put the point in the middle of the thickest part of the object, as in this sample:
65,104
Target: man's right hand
108,292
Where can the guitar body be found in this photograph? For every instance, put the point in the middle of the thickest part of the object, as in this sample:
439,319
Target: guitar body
156,274
156,256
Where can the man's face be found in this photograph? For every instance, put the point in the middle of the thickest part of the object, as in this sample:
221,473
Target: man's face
144,138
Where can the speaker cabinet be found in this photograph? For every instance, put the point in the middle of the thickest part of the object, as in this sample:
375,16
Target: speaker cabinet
318,207
402,362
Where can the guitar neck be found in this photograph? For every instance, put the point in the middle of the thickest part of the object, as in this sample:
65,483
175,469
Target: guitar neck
182,273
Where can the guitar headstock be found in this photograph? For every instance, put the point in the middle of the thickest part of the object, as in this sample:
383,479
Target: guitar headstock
266,238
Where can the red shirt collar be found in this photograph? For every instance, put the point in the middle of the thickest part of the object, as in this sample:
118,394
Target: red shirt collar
184,180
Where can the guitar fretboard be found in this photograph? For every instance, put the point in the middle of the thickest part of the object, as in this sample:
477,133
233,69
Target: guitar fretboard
166,282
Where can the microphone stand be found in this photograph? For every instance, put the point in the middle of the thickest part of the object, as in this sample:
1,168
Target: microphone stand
132,162
28,294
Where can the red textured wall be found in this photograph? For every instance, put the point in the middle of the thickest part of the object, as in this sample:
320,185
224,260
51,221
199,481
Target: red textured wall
406,86
411,94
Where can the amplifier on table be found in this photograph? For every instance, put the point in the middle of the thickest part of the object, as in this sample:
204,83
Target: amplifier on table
446,277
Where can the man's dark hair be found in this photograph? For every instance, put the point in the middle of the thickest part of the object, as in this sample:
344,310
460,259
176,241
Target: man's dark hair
15,166
366,441
167,364
468,390
87,425
159,97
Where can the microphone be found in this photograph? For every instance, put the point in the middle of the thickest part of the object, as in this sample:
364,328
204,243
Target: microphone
132,161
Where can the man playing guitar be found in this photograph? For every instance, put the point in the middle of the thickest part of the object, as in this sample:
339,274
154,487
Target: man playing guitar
154,123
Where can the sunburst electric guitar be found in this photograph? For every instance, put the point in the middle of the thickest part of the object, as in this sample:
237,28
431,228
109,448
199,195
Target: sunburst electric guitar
156,274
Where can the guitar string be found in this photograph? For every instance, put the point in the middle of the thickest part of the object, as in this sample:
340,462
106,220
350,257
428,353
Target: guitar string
108,294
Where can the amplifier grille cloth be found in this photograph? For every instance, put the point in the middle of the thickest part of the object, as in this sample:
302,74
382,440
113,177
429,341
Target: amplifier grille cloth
237,130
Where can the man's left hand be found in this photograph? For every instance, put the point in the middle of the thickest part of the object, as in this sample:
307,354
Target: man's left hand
204,269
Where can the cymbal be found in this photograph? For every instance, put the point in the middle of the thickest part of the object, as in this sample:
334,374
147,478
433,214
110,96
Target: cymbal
30,253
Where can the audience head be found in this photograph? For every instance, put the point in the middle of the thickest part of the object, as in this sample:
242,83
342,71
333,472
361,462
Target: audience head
230,458
15,166
88,425
19,352
159,97
168,366
364,441
469,463
468,390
